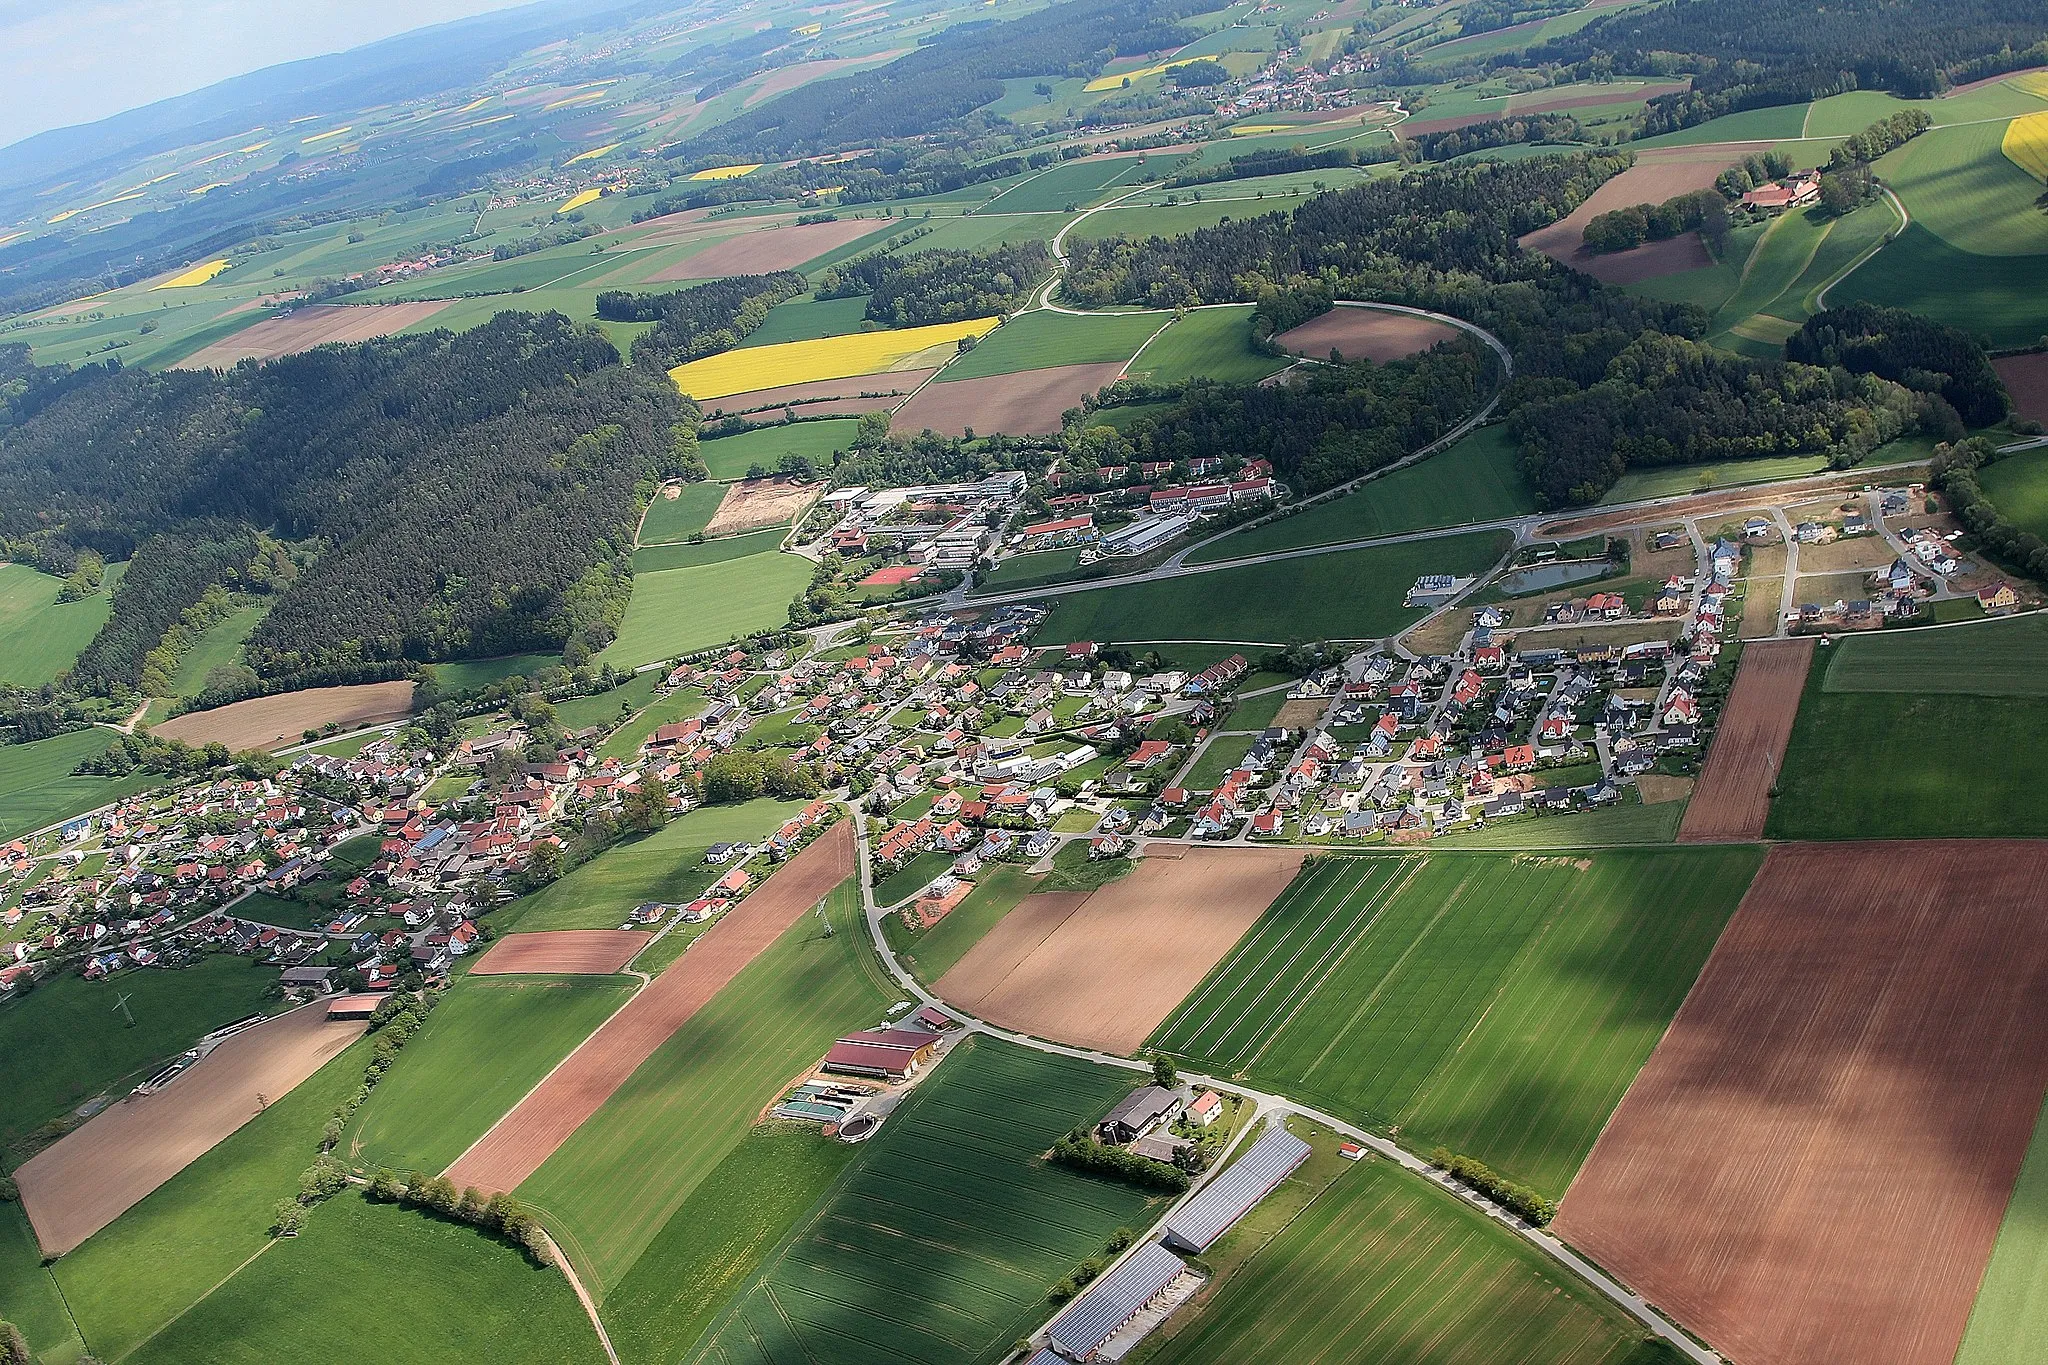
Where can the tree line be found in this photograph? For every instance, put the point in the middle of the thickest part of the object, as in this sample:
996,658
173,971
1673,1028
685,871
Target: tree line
699,321
940,285
1954,472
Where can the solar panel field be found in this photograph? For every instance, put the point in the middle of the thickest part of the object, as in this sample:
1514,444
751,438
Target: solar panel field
941,1242
1497,1004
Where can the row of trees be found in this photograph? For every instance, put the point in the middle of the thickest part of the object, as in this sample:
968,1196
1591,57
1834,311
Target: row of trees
1079,1151
941,285
1476,1174
1954,472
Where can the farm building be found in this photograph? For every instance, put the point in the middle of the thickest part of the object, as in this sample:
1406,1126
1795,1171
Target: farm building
1139,1113
353,1006
892,1053
1231,1195
1114,1300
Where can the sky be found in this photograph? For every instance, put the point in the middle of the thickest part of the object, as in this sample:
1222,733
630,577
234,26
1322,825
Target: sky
75,61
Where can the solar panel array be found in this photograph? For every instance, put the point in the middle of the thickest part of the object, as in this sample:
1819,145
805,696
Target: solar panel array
1112,1300
1231,1195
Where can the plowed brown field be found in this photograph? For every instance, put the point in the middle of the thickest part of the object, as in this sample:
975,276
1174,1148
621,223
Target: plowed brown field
97,1173
574,952
881,390
1105,969
572,1092
1027,403
1814,1164
766,249
1658,175
273,722
310,327
1734,795
1364,333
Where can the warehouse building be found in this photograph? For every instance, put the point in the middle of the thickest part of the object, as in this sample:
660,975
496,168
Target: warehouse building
892,1054
1114,1300
1231,1195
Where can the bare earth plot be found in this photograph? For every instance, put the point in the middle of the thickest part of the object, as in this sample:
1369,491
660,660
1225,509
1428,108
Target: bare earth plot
1104,970
766,249
1734,794
541,1122
861,393
2026,379
1027,403
1815,1162
101,1170
310,327
754,503
574,952
272,722
1365,333
1658,174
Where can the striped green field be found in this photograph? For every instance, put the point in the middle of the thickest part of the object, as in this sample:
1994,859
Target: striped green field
940,1243
675,611
1206,343
1043,339
2010,1320
1992,658
1498,1004
40,637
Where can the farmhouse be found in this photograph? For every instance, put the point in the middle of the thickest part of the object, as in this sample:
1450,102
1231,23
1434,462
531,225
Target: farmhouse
893,1054
1139,1113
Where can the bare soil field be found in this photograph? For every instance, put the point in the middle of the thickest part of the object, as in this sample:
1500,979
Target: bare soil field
99,1171
2026,379
861,393
273,722
768,248
1028,403
753,503
557,1107
1657,788
575,952
1815,1162
1658,174
1842,556
310,327
1734,794
1364,332
1103,971
1301,713
790,77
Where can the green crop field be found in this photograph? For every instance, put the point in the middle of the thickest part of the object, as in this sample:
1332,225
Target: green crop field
608,1191
807,319
1074,184
683,555
678,518
930,954
487,1043
2018,486
1663,481
1475,480
2010,1319
1043,339
676,611
1381,1268
28,1293
40,637
719,1237
1433,993
1346,594
156,1260
442,1291
37,788
1207,343
1893,731
1773,124
63,1043
1996,298
1959,184
730,457
941,1241
1711,285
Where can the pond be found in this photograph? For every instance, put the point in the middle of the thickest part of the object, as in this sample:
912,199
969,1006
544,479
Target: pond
1544,577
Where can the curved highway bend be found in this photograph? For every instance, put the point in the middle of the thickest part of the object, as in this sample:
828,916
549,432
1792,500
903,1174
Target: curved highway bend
1271,1104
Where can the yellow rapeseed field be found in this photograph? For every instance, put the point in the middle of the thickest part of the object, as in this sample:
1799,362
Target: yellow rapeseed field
578,201
727,172
198,274
88,208
322,137
1116,82
593,154
2026,144
801,362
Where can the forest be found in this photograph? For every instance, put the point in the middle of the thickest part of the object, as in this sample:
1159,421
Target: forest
1864,338
701,320
940,285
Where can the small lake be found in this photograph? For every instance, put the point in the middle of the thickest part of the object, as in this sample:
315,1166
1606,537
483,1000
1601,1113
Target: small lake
1544,577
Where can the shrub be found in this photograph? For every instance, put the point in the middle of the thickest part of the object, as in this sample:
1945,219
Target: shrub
1080,1152
1475,1174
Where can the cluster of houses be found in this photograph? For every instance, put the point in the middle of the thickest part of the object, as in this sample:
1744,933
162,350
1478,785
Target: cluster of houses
940,526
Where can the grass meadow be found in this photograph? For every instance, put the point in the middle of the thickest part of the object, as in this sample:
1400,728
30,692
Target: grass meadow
683,555
1380,1267
1751,125
940,1242
1346,594
609,1191
1475,480
912,877
2010,1319
730,457
63,1043
670,520
1498,1004
1992,658
441,1291
1072,185
40,637
1206,343
489,1041
1043,340
807,319
217,647
37,788
624,743
676,611
28,1293
1663,481
2018,486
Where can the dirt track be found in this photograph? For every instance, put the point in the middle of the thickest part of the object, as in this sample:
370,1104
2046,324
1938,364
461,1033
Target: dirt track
573,952
1104,970
101,1170
1733,798
1658,175
557,1107
766,249
310,327
1364,333
1814,1164
1028,403
273,722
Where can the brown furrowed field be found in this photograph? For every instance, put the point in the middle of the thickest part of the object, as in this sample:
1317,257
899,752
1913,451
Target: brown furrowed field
572,952
98,1172
1364,333
273,722
310,327
2026,379
861,393
768,248
1104,970
753,503
543,1121
1734,794
1027,403
1658,174
1814,1164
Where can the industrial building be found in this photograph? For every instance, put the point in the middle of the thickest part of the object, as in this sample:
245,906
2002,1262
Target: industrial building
1231,1195
1089,1321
